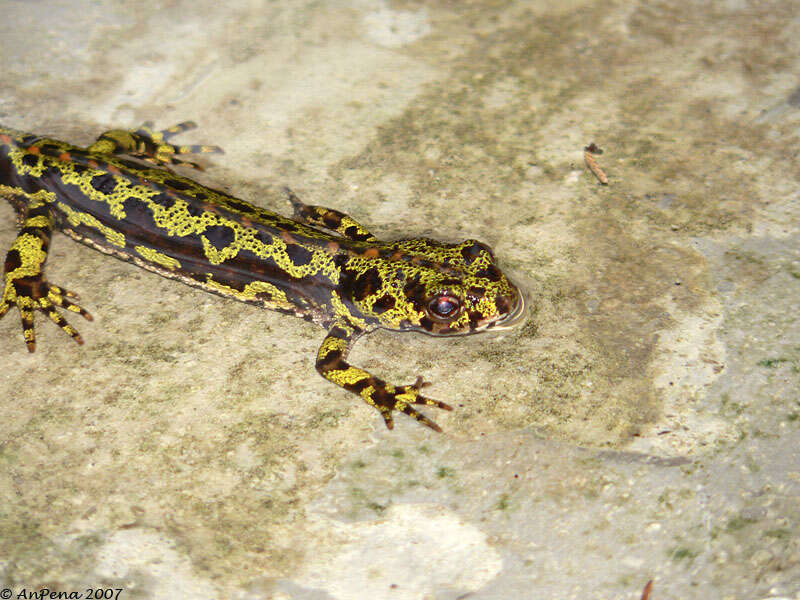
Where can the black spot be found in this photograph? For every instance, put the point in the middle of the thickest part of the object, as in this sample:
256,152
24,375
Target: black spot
360,385
330,362
298,255
29,183
503,305
138,213
475,292
474,317
38,211
366,284
29,286
35,231
384,303
51,173
381,395
331,220
220,236
352,233
163,199
449,281
195,210
414,291
104,183
177,184
50,150
338,333
491,273
13,260
264,237
473,251
201,277
340,260
79,168
30,160
240,206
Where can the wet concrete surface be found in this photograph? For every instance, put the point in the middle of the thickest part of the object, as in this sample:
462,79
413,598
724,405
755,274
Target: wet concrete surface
643,424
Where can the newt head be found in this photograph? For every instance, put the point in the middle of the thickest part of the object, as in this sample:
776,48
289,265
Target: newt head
436,288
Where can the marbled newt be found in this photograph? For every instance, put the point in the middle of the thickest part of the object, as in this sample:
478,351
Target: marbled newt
320,265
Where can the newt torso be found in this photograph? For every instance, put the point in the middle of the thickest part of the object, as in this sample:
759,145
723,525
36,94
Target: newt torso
321,265
175,226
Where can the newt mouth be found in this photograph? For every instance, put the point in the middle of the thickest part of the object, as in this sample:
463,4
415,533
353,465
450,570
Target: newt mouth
515,317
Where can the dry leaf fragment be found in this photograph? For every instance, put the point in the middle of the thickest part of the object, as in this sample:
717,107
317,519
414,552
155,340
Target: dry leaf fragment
588,153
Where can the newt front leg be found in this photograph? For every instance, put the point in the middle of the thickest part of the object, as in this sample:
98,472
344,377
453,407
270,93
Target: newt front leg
333,366
329,218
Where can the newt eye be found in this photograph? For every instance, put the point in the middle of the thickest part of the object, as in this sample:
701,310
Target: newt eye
444,308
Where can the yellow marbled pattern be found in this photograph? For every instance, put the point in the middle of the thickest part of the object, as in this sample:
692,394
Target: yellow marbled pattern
321,265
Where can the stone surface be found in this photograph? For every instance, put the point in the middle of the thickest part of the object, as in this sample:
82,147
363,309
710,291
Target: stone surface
644,423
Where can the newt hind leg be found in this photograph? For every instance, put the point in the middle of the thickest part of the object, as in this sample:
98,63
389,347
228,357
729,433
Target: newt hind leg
24,284
151,145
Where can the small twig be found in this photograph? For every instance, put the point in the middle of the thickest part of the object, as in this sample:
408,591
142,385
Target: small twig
588,153
646,590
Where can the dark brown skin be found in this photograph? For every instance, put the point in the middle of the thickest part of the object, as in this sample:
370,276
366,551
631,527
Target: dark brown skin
321,265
